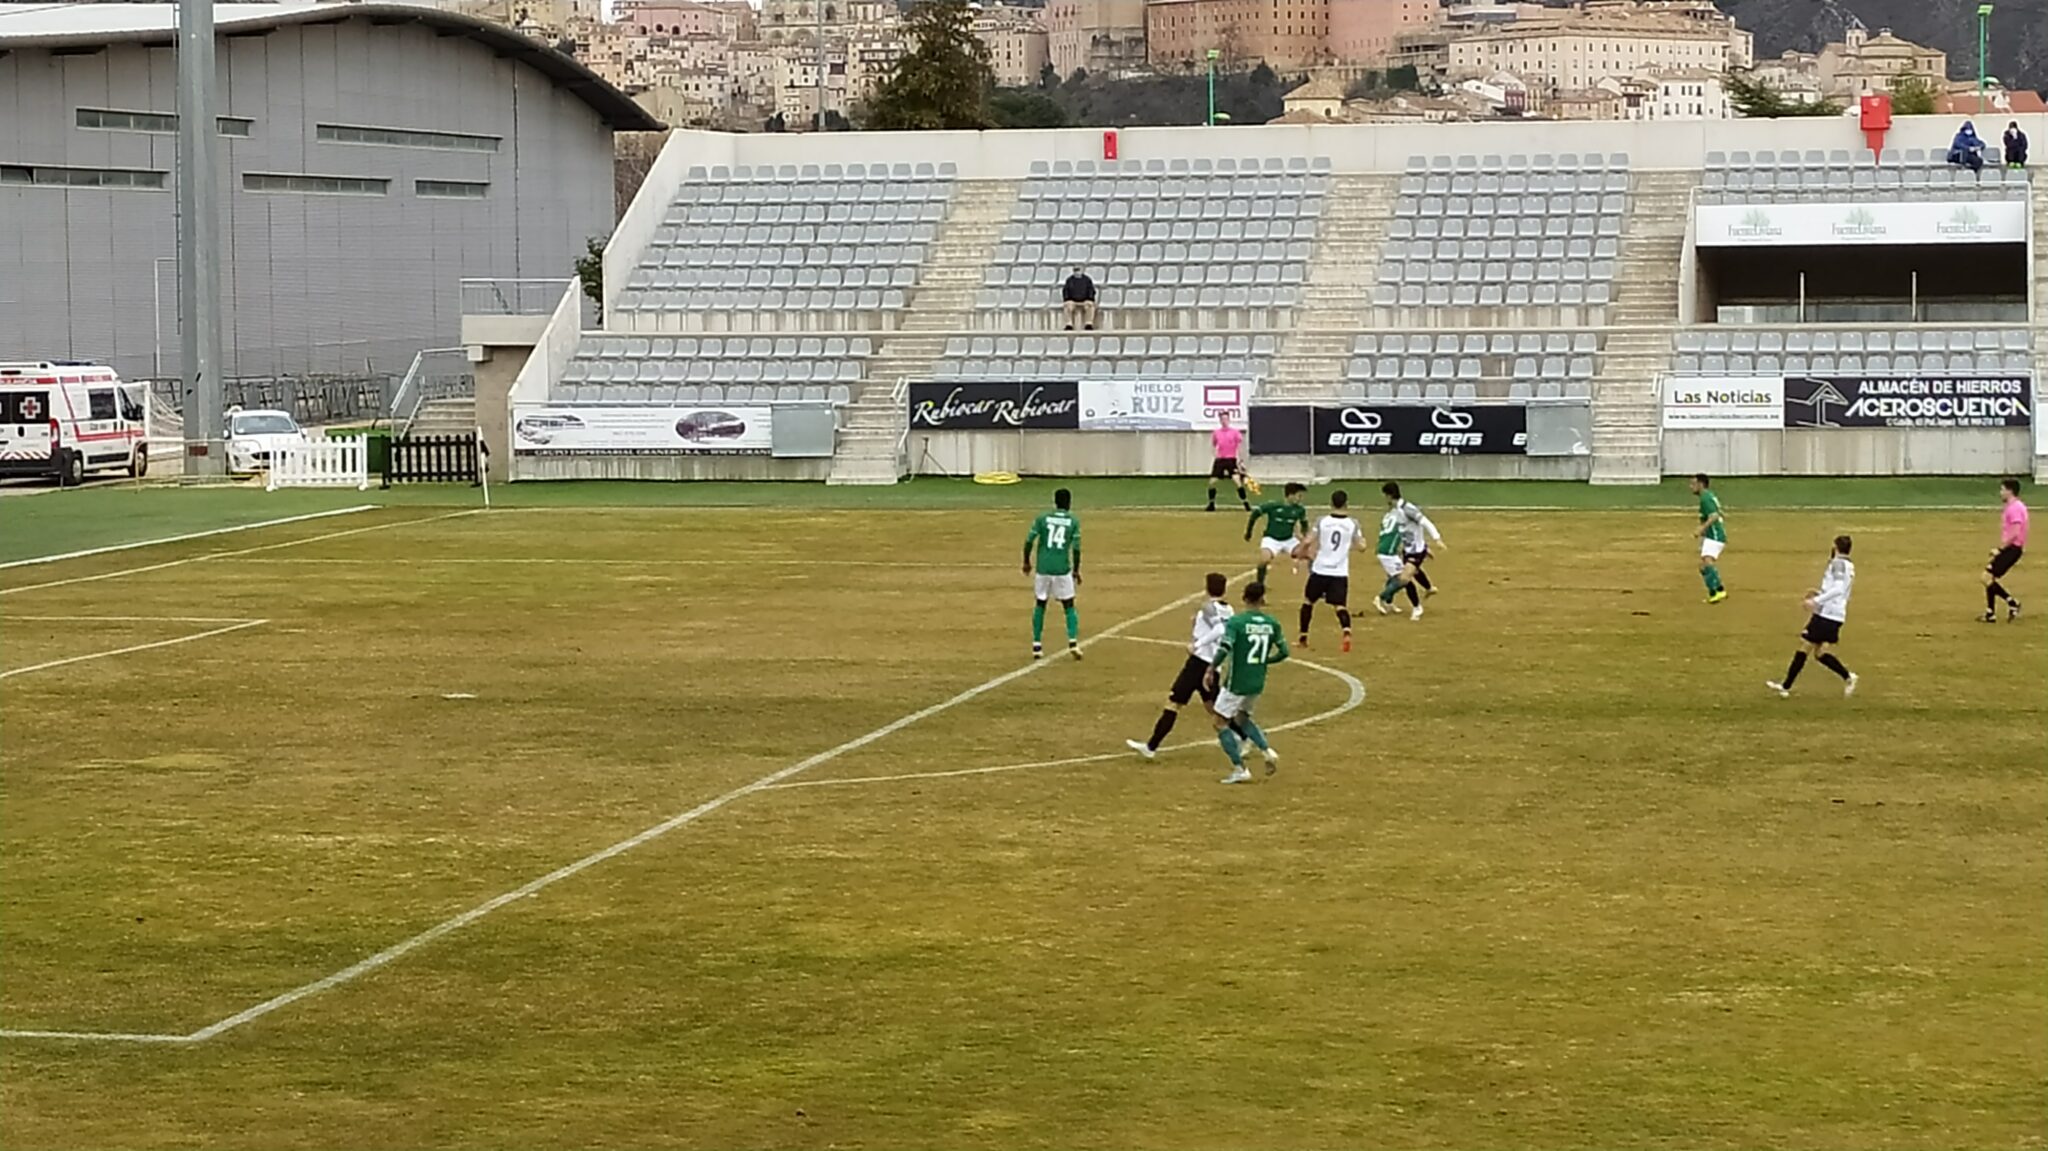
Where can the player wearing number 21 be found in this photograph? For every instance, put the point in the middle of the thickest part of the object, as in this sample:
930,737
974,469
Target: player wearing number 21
1252,642
1057,536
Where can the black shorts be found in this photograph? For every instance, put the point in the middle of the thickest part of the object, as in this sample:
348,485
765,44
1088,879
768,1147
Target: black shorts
1332,590
1416,559
1224,468
1188,684
2003,562
1821,629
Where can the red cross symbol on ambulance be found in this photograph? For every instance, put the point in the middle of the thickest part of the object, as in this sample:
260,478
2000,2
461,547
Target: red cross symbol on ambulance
31,408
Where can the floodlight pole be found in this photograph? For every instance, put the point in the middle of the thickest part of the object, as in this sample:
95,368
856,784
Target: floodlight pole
1983,42
1213,54
199,243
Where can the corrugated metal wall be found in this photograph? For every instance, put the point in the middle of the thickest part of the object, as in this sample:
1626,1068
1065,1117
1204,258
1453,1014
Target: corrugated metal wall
315,283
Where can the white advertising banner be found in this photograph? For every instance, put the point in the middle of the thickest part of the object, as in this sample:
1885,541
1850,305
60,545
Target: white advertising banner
1822,225
542,430
1162,405
1724,402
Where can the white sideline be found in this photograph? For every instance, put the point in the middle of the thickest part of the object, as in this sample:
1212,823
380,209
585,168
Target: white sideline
71,659
457,922
1350,681
187,536
127,619
239,552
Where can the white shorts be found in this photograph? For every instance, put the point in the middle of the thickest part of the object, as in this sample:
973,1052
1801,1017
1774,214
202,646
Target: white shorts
1711,549
1230,705
1273,547
1391,565
1059,587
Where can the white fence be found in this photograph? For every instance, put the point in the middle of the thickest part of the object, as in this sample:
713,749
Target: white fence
331,463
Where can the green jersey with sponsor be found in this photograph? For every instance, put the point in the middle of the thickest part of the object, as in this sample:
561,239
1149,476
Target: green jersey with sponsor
1710,506
1391,532
1252,642
1283,519
1058,536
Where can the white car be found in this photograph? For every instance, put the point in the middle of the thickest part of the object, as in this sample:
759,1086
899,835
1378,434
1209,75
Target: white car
255,436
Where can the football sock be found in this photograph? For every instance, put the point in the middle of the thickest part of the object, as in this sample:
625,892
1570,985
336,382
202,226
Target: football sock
1308,612
1073,623
1038,622
1387,592
1414,597
1159,729
1712,576
1829,662
1422,577
1212,495
1231,747
1236,726
1240,495
1994,593
1262,573
1344,618
1252,732
1792,673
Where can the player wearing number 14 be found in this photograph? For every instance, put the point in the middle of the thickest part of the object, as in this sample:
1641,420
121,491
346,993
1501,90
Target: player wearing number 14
1057,536
1252,642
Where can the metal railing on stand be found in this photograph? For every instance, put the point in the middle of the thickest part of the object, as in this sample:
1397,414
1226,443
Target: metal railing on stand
436,374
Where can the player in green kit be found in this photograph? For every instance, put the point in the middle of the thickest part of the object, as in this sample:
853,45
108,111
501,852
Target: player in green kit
1286,527
1057,536
1252,642
1713,534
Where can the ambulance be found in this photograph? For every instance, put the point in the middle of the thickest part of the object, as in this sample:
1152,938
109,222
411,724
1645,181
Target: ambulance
69,420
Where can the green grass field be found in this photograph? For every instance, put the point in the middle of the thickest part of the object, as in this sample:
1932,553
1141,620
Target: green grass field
1568,877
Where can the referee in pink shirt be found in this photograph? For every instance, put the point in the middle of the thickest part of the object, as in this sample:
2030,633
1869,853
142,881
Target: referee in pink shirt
2012,541
1227,441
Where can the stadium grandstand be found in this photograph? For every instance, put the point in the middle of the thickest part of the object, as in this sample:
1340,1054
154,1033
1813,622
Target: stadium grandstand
1555,299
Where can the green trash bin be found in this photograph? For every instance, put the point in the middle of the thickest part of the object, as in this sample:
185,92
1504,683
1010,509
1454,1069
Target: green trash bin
379,445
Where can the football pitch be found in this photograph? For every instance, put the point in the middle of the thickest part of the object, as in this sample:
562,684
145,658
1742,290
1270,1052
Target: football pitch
570,825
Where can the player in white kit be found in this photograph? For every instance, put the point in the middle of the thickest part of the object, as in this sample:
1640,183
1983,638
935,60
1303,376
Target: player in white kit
1329,576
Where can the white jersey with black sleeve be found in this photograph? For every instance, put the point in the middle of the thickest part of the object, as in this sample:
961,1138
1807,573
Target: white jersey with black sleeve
1832,602
1416,529
1208,633
1336,536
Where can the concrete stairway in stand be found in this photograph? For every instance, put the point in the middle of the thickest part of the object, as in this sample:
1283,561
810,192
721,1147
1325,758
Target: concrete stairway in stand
2040,325
1336,300
1627,410
871,429
454,416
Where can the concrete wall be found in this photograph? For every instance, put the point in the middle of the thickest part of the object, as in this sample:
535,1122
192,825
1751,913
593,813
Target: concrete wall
1350,147
313,283
494,379
1851,452
668,468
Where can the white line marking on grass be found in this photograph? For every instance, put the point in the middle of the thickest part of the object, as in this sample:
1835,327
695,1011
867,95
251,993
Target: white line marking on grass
14,671
1356,698
237,552
101,1036
456,923
126,619
187,536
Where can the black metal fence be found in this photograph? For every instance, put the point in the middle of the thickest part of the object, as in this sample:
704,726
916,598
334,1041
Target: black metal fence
312,399
433,460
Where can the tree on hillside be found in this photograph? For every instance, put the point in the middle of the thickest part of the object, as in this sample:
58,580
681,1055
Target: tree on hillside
943,82
590,269
1025,108
1912,95
1753,97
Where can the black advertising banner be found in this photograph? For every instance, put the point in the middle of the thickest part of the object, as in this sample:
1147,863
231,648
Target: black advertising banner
995,406
1406,430
1908,402
1280,430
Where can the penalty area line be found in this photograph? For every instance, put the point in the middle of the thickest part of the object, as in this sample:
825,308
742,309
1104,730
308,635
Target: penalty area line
457,922
173,642
100,551
1353,700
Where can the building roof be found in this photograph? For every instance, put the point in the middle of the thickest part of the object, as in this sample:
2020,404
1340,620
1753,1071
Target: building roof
103,25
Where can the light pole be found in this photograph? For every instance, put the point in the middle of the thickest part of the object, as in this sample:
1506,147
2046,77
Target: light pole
1983,41
1213,56
199,242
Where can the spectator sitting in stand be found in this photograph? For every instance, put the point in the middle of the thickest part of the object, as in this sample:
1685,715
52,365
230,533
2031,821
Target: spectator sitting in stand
1967,150
2015,146
1077,299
